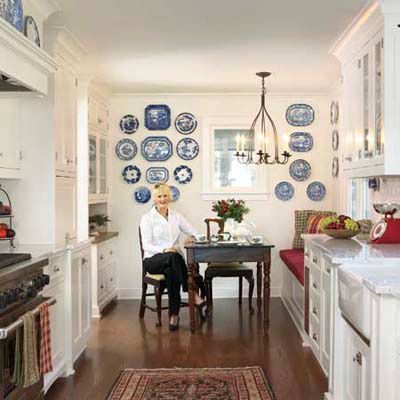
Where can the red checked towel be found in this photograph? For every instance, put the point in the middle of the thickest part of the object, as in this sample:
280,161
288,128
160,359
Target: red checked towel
45,339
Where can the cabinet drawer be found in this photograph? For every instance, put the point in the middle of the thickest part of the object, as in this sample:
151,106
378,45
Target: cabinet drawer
315,337
315,258
102,284
55,269
105,253
315,279
315,307
111,278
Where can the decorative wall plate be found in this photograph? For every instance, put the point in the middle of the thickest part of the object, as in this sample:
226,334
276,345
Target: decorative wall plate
334,112
157,174
156,148
284,191
131,174
316,191
183,174
185,123
15,14
31,30
129,124
300,170
142,195
126,149
301,142
300,115
3,8
157,117
187,148
335,167
335,140
175,193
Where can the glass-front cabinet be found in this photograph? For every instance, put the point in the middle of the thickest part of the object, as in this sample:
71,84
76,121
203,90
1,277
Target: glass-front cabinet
98,168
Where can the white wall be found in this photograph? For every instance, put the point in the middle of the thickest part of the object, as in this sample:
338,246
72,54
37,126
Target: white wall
274,219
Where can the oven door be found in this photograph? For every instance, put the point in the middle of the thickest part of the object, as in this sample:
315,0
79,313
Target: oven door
8,327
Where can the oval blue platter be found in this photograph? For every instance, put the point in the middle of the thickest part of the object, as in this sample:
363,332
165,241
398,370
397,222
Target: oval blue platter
157,174
156,148
300,170
300,115
284,191
301,142
316,191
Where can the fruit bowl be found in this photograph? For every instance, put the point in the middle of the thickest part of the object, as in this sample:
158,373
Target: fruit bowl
341,233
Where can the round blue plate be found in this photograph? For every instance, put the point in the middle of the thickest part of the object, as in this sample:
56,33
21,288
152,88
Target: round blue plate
300,170
284,191
185,123
142,195
187,149
131,174
175,193
183,174
129,124
126,149
15,14
316,191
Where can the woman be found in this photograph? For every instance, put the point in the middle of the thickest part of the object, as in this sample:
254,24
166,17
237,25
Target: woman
160,229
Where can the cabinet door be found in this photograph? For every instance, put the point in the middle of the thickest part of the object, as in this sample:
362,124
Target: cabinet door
103,149
93,164
65,208
9,145
102,117
378,96
92,111
85,293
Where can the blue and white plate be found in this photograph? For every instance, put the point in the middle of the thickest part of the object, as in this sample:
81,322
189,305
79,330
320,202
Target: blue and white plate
131,174
157,117
157,174
335,167
156,148
335,140
142,195
300,170
316,191
15,14
187,149
300,115
284,191
126,149
175,193
301,142
129,124
334,112
31,30
185,123
3,8
183,174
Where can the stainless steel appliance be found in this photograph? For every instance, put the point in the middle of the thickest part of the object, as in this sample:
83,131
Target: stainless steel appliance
20,286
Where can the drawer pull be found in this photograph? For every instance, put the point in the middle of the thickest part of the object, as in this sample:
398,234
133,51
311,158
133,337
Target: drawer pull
315,286
84,260
111,279
328,271
314,311
315,337
315,260
307,254
358,358
101,258
101,287
56,268
111,252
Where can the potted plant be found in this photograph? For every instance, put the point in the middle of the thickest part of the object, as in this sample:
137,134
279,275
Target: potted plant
98,222
231,211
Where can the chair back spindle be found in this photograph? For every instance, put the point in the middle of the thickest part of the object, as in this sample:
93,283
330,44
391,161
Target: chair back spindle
218,221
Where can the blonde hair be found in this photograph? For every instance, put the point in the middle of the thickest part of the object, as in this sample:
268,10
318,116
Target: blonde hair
161,188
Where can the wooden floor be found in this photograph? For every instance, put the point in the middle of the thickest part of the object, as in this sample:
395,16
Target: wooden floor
231,338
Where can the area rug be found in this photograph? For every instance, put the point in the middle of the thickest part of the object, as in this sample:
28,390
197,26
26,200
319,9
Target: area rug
247,383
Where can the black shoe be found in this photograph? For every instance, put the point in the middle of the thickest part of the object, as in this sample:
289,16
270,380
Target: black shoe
199,308
173,327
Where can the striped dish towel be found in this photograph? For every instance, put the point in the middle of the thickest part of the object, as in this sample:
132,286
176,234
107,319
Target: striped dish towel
45,339
30,367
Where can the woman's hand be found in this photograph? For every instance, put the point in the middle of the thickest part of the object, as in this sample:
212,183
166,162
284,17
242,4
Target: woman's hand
170,250
189,240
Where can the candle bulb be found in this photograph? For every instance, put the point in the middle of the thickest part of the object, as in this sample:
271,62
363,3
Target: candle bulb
237,143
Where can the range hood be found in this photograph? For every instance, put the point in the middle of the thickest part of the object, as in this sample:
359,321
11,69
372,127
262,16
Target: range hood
23,65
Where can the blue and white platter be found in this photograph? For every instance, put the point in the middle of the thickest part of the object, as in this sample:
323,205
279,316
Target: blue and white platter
156,148
157,117
14,14
316,191
183,174
157,174
131,174
31,30
129,124
185,123
126,149
300,170
301,142
300,115
175,193
142,195
187,149
335,140
284,191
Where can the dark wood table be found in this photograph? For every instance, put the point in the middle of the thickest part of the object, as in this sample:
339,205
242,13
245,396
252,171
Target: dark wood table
211,252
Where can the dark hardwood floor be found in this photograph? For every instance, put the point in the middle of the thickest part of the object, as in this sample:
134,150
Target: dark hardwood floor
231,338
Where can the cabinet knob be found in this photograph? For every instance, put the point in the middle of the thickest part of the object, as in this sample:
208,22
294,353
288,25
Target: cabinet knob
307,254
56,268
328,270
101,287
111,252
1,154
111,279
84,260
315,285
314,311
101,257
358,358
315,336
315,260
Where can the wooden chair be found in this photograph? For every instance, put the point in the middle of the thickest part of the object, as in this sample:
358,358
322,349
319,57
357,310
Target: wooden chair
226,270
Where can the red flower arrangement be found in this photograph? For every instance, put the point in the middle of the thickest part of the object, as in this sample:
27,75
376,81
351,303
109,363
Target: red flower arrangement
230,208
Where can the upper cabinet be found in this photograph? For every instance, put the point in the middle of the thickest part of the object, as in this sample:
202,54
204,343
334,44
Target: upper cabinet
370,139
98,114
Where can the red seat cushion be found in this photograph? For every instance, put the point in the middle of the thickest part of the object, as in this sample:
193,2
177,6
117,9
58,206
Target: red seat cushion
294,260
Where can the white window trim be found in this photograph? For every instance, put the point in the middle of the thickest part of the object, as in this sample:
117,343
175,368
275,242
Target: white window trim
209,192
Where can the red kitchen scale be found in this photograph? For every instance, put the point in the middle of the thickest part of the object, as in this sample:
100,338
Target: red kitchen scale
386,230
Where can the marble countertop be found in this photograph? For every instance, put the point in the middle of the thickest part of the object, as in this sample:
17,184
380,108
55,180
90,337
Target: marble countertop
102,237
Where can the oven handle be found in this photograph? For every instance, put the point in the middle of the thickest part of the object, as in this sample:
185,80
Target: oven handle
4,332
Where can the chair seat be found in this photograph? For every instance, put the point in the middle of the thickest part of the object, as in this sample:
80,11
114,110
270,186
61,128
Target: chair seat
157,277
294,260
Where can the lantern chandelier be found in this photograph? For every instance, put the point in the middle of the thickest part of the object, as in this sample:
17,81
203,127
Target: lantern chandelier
262,124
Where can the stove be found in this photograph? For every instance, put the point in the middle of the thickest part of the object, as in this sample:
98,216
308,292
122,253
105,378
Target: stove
7,259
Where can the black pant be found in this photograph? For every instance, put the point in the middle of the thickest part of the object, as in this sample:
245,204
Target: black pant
173,267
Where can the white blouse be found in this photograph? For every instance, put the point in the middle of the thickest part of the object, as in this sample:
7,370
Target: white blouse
159,233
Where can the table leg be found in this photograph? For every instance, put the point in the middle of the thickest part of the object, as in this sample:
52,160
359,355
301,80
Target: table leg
267,287
259,283
192,288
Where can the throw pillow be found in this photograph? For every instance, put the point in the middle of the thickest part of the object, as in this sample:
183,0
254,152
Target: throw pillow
314,224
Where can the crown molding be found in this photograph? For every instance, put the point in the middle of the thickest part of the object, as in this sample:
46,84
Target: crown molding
46,7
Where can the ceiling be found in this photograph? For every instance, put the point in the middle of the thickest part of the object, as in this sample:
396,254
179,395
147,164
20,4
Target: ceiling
207,46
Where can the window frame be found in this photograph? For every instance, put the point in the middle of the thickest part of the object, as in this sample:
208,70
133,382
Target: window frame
363,198
261,189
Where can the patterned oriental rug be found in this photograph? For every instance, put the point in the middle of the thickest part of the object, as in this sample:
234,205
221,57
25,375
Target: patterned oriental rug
192,384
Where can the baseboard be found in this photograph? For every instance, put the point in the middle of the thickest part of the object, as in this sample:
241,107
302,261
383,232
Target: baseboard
218,293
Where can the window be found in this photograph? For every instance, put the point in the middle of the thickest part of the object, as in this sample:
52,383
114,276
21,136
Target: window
359,199
223,174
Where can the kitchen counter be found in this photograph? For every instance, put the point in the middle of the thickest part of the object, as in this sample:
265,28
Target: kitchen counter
102,237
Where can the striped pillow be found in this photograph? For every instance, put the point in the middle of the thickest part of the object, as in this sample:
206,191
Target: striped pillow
314,224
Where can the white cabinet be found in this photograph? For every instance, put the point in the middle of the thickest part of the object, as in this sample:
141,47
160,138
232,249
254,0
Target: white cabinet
66,208
98,114
98,168
81,300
